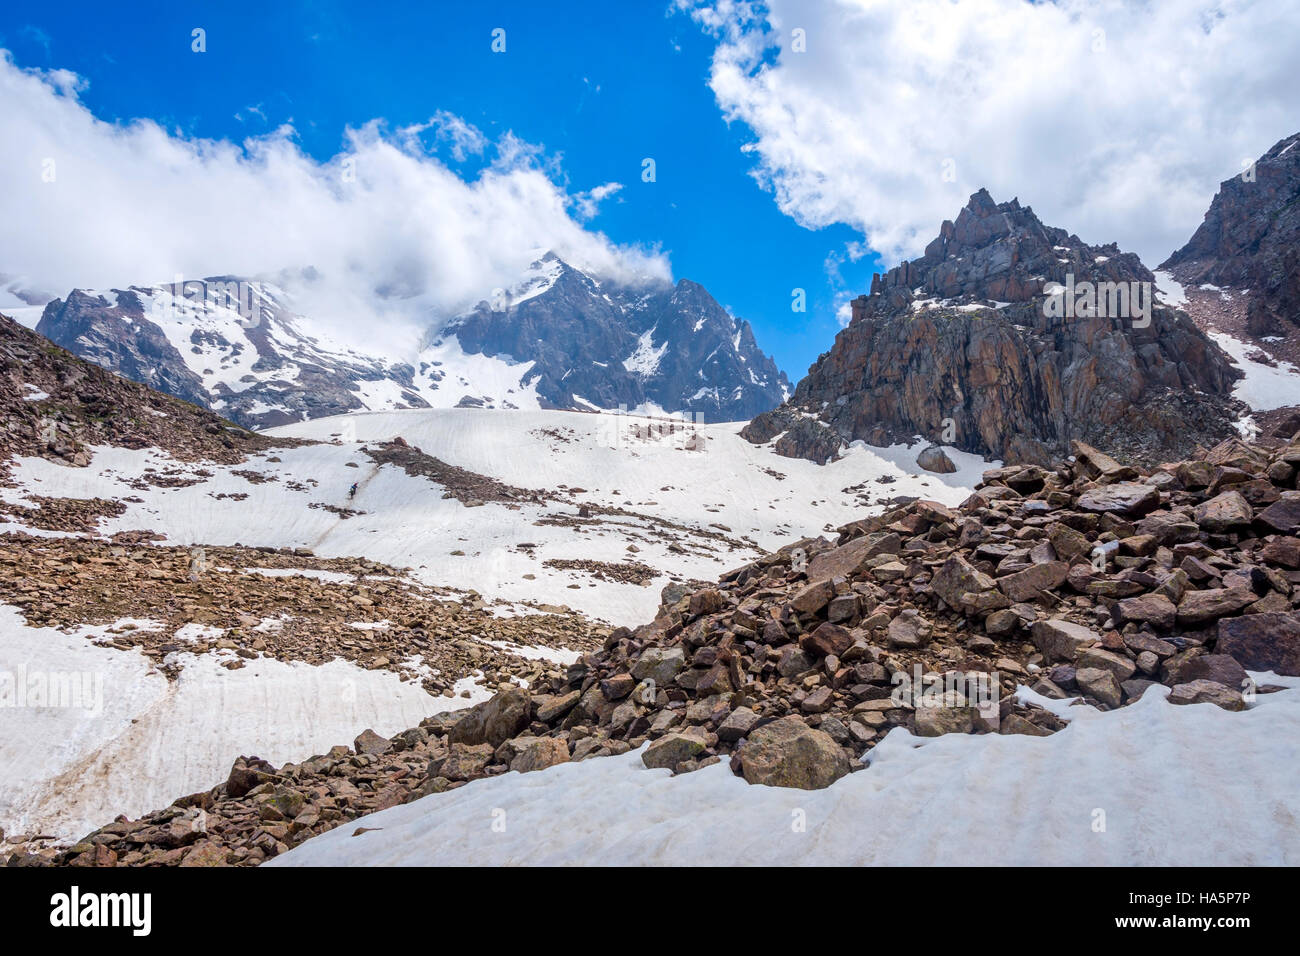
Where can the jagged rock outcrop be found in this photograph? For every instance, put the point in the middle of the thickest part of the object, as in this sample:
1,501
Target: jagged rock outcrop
1250,240
1010,339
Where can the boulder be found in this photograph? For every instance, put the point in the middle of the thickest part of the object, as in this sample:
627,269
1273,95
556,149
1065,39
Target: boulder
1061,640
909,629
1100,684
1122,498
538,753
659,664
1207,692
789,753
934,459
494,721
1262,642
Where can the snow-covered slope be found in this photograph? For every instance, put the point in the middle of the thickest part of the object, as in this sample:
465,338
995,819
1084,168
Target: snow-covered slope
138,740
1122,788
691,502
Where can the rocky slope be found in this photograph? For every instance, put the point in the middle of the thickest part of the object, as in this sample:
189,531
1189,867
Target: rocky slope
1250,241
592,343
559,338
54,405
1089,579
1241,273
973,345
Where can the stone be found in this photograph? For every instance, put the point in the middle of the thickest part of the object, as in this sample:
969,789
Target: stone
538,753
789,753
1262,642
1207,692
1224,512
737,724
933,458
1100,684
1220,668
909,629
1061,640
705,601
1283,515
1096,657
958,578
555,707
935,721
827,639
463,761
1122,498
1154,609
495,720
813,598
672,749
1028,584
1201,607
659,664
369,742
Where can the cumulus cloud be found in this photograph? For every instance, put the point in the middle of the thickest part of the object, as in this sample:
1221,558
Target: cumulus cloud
1114,119
379,238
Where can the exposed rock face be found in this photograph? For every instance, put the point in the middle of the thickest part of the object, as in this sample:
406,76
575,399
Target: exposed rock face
595,343
961,347
1250,239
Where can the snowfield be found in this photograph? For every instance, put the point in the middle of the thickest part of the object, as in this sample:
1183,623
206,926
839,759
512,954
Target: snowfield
1151,784
135,742
679,500
1265,386
151,740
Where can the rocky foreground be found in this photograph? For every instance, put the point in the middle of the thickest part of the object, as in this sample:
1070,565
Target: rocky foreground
1091,579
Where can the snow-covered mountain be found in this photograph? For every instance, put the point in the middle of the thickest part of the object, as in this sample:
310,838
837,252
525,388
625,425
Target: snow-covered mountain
233,345
558,338
594,344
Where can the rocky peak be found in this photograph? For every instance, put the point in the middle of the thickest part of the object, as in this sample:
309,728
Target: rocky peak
595,343
1010,338
1250,241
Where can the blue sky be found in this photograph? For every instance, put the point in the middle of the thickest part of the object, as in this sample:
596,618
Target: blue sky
599,87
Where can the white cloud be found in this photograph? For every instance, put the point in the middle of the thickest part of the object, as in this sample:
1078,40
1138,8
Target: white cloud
588,204
1115,119
389,234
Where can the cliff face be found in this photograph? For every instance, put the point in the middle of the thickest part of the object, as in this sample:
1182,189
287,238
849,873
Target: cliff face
1250,240
1010,339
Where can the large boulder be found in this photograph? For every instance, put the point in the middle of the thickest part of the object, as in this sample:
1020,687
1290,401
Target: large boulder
494,721
789,753
1122,498
957,581
1061,640
659,664
1262,642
